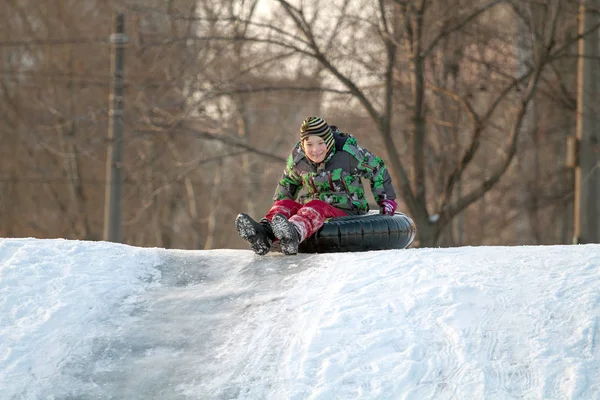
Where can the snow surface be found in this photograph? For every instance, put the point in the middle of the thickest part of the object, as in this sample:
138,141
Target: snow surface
96,320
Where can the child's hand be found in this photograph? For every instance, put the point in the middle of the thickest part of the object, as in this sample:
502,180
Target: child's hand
387,207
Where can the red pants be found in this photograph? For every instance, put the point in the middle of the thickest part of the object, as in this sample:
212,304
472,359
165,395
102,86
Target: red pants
308,218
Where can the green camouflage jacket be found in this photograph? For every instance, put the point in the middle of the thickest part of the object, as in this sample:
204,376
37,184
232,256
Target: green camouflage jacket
337,180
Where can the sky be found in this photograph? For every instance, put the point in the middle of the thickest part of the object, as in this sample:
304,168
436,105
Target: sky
98,320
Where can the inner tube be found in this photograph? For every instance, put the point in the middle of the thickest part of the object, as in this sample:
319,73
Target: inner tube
366,232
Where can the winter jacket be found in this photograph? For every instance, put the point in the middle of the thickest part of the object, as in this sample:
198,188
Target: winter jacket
337,180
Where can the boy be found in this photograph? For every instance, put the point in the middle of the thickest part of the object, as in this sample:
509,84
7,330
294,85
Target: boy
329,165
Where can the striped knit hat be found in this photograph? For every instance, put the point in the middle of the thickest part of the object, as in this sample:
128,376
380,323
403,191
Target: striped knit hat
318,127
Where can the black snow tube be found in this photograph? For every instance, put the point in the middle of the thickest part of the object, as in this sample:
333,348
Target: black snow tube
361,233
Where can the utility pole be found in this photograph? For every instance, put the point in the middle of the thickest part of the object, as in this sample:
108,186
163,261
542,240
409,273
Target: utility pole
587,154
114,158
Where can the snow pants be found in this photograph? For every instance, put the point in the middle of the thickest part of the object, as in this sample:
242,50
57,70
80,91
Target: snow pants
307,218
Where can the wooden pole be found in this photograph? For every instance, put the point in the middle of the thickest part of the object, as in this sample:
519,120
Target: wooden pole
587,171
114,159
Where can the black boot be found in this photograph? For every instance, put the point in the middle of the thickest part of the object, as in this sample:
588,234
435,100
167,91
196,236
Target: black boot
259,234
286,232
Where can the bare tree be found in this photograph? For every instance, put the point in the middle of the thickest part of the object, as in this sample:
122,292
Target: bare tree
397,43
444,88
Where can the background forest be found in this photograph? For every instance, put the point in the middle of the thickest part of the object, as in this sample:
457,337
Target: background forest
469,102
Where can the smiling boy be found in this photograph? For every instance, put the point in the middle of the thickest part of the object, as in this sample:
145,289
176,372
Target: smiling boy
329,166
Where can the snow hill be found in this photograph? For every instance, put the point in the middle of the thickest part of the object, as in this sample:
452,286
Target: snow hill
96,320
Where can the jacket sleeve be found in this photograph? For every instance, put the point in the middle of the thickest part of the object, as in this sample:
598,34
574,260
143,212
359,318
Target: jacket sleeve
290,183
373,168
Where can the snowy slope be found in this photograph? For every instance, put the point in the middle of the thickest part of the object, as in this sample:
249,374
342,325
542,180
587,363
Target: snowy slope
99,320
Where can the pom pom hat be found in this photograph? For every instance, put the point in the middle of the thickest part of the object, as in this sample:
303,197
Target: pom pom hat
318,127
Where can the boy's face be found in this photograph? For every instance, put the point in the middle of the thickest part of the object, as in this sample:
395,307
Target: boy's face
315,148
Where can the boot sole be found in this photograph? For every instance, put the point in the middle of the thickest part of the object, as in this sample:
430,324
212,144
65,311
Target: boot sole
282,229
245,228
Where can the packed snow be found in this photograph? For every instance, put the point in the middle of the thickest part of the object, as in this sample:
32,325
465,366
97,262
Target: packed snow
98,320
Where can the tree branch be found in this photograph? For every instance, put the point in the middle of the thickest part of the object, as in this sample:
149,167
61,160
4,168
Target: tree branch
460,25
488,183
